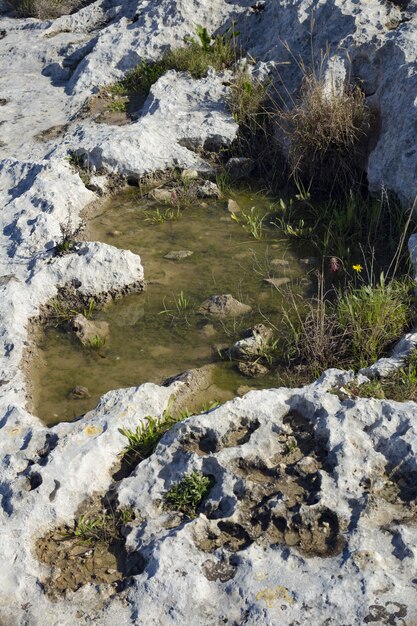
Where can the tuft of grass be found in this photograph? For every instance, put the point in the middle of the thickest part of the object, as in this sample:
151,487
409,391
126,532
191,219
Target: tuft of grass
195,57
187,495
159,216
323,128
374,316
182,307
252,221
143,441
45,9
62,311
103,527
246,100
349,327
96,342
400,386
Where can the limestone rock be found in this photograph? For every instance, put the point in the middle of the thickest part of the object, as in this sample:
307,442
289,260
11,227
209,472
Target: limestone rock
79,393
252,369
178,255
232,206
240,167
208,190
224,305
253,344
162,195
87,330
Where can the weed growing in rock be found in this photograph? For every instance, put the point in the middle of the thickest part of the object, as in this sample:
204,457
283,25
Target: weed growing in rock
103,527
194,57
187,495
143,440
68,240
401,386
246,100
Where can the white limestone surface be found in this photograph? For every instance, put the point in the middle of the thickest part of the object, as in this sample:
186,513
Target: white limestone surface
327,538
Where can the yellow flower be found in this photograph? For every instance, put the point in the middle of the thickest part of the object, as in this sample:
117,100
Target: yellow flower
358,267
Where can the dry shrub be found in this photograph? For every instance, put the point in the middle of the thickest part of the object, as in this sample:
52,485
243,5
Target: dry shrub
323,130
46,9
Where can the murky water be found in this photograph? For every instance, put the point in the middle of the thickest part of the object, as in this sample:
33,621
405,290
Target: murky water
151,336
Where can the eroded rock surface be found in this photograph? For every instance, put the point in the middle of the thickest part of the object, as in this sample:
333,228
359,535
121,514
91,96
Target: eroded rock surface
291,500
312,514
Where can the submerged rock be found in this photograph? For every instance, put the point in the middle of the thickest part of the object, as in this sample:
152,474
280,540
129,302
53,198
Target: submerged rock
252,369
224,305
178,255
88,331
79,392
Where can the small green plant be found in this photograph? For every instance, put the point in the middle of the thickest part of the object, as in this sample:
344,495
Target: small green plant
102,527
62,310
69,234
118,105
96,342
291,445
252,221
374,316
246,100
187,495
159,216
194,57
143,441
182,307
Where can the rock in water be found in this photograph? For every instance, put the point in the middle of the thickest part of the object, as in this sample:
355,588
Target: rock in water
253,344
224,306
232,206
178,255
86,330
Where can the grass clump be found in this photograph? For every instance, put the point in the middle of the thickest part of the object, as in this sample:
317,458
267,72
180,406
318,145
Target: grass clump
323,127
159,216
252,221
246,100
103,527
374,316
182,306
350,327
61,310
401,386
187,495
45,9
143,441
195,57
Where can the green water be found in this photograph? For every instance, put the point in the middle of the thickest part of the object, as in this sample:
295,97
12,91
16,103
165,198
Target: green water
148,344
